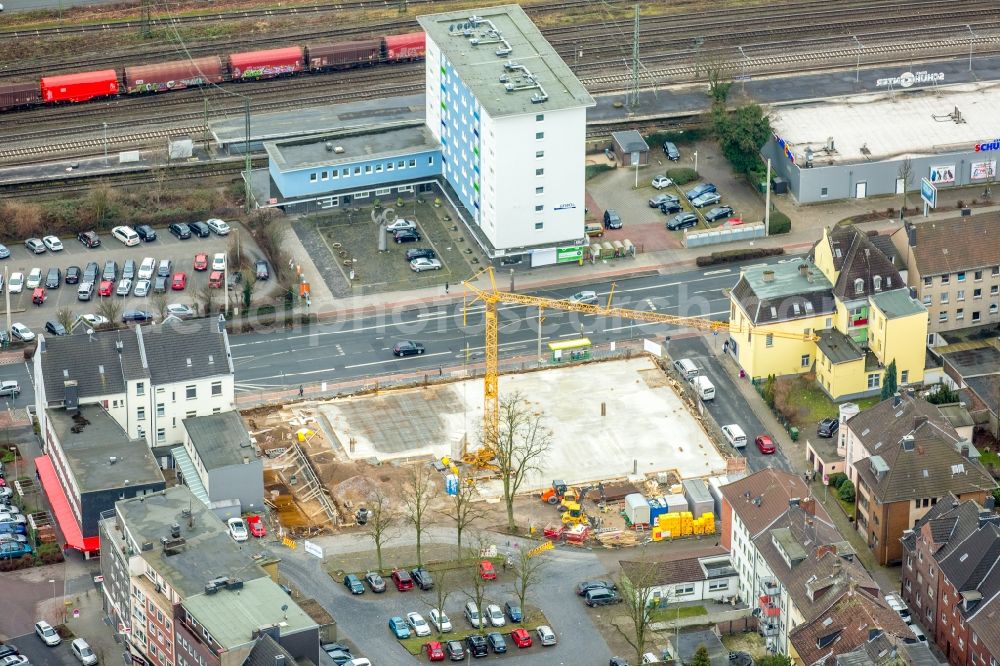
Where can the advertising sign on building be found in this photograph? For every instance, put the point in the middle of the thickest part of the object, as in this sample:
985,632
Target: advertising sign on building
928,192
566,255
984,170
907,79
943,174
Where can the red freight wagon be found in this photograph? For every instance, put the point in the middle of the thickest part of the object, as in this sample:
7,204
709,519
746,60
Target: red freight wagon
345,54
400,48
80,87
13,95
175,75
265,64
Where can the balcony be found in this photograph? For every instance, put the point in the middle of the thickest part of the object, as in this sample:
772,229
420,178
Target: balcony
767,608
769,586
768,628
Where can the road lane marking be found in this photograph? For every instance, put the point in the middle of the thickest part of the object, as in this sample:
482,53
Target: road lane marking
721,271
395,358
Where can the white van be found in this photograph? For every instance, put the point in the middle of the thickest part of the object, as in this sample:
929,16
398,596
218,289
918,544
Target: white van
918,633
703,387
686,368
126,235
735,435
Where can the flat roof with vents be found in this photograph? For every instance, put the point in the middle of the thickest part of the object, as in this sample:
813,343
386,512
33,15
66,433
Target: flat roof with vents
386,142
505,61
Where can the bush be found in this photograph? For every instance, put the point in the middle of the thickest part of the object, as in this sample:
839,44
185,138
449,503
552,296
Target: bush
594,169
837,479
730,256
682,176
846,491
656,139
780,224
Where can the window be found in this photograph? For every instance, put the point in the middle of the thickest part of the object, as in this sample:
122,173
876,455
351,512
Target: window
334,174
540,117
716,585
942,316
904,377
823,192
539,225
216,388
829,322
378,168
996,271
140,388
978,276
975,316
539,190
539,208
683,590
357,171
412,163
160,410
323,175
430,160
874,380
312,178
368,168
961,276
161,435
539,135
805,360
401,164
928,281
859,286
960,295
977,293
994,290
191,392
878,282
769,340
539,172
945,279
539,154
959,314
140,414
993,308
927,299
390,166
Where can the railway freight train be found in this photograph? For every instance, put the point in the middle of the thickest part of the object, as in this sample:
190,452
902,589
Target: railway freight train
180,74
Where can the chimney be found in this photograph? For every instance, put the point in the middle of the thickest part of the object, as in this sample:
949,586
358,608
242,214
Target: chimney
804,270
808,505
279,660
919,421
175,531
896,399
768,275
990,503
810,277
964,450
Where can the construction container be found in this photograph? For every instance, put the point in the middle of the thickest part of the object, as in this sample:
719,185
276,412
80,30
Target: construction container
175,75
715,484
657,507
676,503
699,499
636,509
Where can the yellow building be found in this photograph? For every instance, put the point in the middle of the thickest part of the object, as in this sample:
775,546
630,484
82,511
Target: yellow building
845,313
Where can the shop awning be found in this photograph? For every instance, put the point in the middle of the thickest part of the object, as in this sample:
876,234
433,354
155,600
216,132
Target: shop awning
61,509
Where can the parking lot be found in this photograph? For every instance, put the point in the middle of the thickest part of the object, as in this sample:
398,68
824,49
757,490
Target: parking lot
166,246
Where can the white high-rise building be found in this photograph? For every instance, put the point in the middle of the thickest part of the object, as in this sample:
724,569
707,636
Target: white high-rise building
511,119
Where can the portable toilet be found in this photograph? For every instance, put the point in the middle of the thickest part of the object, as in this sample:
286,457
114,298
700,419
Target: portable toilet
636,509
451,484
657,507
698,498
676,503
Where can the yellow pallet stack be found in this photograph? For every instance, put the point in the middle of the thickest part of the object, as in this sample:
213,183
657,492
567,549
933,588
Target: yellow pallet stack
705,524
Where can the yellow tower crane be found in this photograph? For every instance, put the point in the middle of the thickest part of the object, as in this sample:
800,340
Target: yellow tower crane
491,296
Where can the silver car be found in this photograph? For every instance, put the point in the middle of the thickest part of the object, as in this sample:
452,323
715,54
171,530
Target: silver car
141,288
706,199
585,297
124,287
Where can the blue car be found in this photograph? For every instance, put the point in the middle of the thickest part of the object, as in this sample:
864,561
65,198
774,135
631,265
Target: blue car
398,627
12,549
513,611
10,527
699,190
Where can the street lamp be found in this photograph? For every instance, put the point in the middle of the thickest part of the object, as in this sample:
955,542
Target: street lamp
105,144
970,45
696,161
13,450
746,61
857,70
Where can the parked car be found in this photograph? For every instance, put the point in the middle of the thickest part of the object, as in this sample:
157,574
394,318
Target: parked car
420,253
89,238
91,272
513,610
34,278
126,235
586,297
21,332
828,427
418,624
670,150
105,288
718,213
180,311
261,270
136,317
256,526
496,642
486,570
521,637
72,274
179,282
14,549
670,207
402,580
146,268
495,615
660,199
545,635
164,268
477,645
706,199
128,269
35,246
15,283
93,320
141,288
200,262
587,585
407,348
699,190
601,597
180,230
661,182
110,271
124,287
406,236
146,233
422,264
682,221
218,226
375,582
53,278
896,603
48,635
440,621
397,626
434,651
765,444
219,261
85,291
4,252
55,328
400,225
455,650
734,435
353,583
422,578
472,614
160,285
238,529
199,229
81,650
53,243
9,387
612,220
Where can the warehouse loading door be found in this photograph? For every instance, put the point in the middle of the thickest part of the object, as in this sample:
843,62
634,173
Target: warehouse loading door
860,190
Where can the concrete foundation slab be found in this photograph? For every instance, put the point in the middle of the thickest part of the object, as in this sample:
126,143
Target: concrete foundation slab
646,429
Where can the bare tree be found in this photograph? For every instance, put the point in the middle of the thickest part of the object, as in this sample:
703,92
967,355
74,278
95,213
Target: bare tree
527,572
382,521
159,302
110,307
442,590
417,494
519,442
248,287
207,296
463,510
476,590
637,588
905,174
66,317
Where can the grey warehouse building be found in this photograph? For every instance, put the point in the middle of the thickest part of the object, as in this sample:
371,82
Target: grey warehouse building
854,147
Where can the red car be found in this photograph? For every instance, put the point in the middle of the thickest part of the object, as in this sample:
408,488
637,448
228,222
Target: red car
201,262
256,526
765,444
486,570
521,637
434,651
180,281
105,288
402,580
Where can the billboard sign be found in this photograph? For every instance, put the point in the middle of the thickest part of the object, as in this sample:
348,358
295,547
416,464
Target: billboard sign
566,255
943,174
907,79
928,192
984,170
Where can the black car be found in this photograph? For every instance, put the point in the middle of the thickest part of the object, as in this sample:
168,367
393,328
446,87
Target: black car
353,583
89,238
454,650
407,236
55,328
617,661
7,650
660,199
513,611
407,348
682,221
338,652
146,233
73,275
601,597
137,316
477,645
53,279
422,578
110,270
588,585
200,229
128,269
699,190
261,270
828,427
612,220
420,253
670,150
235,278
160,284
496,642
91,271
375,582
181,230
718,213
668,207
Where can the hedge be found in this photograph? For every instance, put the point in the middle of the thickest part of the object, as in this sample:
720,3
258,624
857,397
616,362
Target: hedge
594,169
780,224
837,479
682,176
730,256
656,139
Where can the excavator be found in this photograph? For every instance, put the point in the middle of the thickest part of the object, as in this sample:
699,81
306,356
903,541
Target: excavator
574,514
